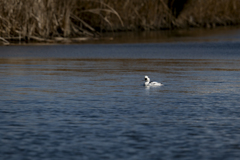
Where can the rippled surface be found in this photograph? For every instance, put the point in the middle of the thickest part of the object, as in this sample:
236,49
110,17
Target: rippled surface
88,102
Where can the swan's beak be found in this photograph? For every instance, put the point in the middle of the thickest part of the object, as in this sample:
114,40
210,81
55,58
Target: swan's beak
145,79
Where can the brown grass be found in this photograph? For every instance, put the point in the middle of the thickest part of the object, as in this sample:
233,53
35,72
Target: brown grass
45,20
58,20
211,13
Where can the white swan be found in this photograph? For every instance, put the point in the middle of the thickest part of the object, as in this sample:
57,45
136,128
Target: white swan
149,83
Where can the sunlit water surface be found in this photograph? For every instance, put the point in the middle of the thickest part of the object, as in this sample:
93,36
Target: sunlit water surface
87,101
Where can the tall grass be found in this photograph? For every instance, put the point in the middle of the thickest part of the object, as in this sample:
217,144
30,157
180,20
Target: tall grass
158,14
210,13
58,20
45,20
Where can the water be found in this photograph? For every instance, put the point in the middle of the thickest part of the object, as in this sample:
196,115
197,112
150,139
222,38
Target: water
87,101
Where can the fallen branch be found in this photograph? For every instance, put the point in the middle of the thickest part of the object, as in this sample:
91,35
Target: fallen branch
5,42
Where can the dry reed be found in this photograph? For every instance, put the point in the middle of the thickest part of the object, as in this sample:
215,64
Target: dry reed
211,13
58,20
46,20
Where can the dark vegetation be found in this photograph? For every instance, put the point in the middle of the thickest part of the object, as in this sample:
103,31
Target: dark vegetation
176,6
77,20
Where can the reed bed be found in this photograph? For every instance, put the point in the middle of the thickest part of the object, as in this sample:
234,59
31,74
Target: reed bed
210,13
52,20
68,20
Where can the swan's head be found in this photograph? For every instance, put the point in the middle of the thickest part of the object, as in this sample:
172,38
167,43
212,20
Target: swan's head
147,79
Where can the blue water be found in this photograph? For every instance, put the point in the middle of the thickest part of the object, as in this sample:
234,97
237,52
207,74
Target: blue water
87,101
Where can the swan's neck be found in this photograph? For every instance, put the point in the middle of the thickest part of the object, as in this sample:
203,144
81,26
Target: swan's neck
146,83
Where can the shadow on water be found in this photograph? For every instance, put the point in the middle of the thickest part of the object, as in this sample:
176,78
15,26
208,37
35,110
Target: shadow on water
227,33
190,35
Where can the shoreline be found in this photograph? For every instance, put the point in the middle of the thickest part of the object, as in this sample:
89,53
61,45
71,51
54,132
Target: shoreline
158,36
64,21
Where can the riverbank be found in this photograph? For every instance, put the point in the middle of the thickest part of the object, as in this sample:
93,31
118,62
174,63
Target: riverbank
54,21
195,35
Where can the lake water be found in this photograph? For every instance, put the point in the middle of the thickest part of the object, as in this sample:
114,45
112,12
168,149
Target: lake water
88,102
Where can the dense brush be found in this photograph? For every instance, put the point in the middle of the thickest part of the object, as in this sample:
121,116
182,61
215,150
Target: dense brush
53,20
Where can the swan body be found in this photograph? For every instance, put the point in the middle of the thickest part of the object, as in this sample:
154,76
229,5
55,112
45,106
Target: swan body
151,83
